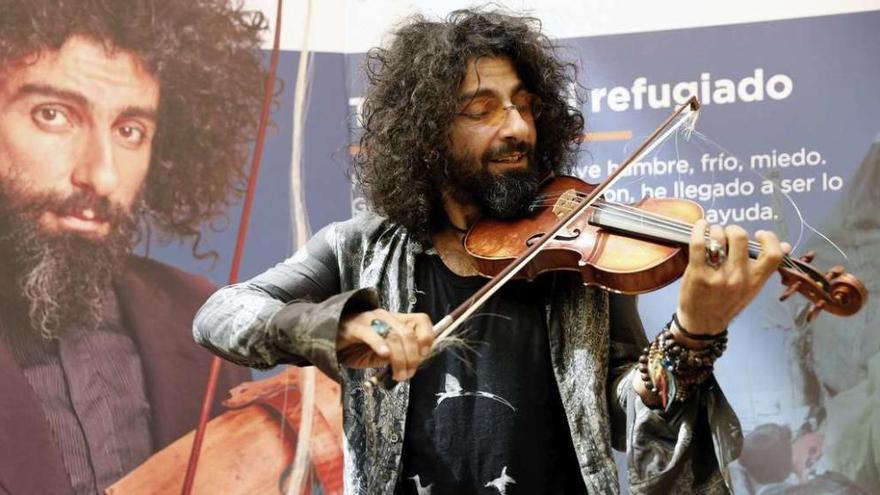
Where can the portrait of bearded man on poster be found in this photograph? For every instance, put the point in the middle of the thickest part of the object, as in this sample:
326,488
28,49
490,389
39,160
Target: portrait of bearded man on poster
120,121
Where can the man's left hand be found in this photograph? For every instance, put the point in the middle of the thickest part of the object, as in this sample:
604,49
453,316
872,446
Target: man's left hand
711,296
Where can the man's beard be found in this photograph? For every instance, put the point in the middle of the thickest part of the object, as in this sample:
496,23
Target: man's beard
502,196
55,280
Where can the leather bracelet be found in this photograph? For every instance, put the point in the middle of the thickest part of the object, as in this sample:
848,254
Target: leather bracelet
695,336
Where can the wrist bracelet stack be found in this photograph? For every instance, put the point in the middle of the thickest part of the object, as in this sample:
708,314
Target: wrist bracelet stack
671,370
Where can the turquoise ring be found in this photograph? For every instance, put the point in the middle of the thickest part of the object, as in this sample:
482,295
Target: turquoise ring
380,327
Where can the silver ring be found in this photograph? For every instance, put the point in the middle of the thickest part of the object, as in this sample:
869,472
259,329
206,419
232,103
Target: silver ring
715,255
380,327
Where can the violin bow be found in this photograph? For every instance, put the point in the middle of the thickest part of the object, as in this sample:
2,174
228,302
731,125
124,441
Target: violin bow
214,373
685,115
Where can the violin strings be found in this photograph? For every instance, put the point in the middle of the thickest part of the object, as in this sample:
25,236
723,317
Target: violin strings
672,225
669,224
675,226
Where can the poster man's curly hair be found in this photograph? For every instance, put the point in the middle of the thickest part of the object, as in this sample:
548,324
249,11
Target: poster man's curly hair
205,55
411,102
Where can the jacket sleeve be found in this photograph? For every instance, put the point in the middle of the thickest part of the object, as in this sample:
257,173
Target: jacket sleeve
287,315
676,451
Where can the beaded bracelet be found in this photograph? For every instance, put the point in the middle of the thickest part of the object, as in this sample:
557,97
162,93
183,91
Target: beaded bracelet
672,370
684,359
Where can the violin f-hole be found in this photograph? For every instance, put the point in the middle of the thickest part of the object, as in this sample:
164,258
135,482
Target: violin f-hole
562,236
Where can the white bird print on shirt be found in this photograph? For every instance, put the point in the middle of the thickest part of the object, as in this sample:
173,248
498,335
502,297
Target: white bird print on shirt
500,483
453,389
422,490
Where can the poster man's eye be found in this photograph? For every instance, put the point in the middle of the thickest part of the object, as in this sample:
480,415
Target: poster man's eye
131,135
52,118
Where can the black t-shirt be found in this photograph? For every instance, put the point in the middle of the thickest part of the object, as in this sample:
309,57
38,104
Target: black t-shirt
487,419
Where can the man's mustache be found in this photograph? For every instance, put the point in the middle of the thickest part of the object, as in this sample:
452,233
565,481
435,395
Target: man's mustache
507,149
103,208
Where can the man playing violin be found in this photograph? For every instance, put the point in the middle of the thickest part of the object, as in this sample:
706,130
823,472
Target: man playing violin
462,120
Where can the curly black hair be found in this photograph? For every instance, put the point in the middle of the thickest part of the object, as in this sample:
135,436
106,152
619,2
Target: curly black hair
205,55
411,102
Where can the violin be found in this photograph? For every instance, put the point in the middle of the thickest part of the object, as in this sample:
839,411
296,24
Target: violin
632,249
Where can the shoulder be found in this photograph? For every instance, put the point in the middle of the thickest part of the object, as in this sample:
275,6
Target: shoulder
364,224
365,228
157,276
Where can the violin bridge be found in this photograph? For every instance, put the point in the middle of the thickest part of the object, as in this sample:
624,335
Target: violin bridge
567,201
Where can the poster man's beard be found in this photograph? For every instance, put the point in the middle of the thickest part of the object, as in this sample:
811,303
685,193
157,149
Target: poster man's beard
502,196
54,280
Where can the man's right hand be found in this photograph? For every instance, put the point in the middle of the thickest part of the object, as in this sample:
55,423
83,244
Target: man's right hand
405,347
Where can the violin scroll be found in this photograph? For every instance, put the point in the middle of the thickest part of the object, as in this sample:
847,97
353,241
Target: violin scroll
836,291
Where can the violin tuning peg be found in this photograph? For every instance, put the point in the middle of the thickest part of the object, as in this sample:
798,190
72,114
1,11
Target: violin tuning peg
815,310
791,289
808,256
834,272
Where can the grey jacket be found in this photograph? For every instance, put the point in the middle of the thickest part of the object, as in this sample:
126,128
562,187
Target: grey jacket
290,314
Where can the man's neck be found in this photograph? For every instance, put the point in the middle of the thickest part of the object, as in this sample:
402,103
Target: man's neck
459,215
448,238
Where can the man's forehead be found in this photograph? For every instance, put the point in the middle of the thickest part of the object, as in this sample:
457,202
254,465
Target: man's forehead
99,73
489,74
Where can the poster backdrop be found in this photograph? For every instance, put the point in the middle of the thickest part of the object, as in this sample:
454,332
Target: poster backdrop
788,140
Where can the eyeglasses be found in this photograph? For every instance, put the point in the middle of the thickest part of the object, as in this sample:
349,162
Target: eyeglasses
489,111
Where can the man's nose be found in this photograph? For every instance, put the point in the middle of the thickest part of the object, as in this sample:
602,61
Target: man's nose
95,169
514,125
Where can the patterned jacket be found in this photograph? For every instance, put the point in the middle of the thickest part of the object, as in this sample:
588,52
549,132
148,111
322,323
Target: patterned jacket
290,314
